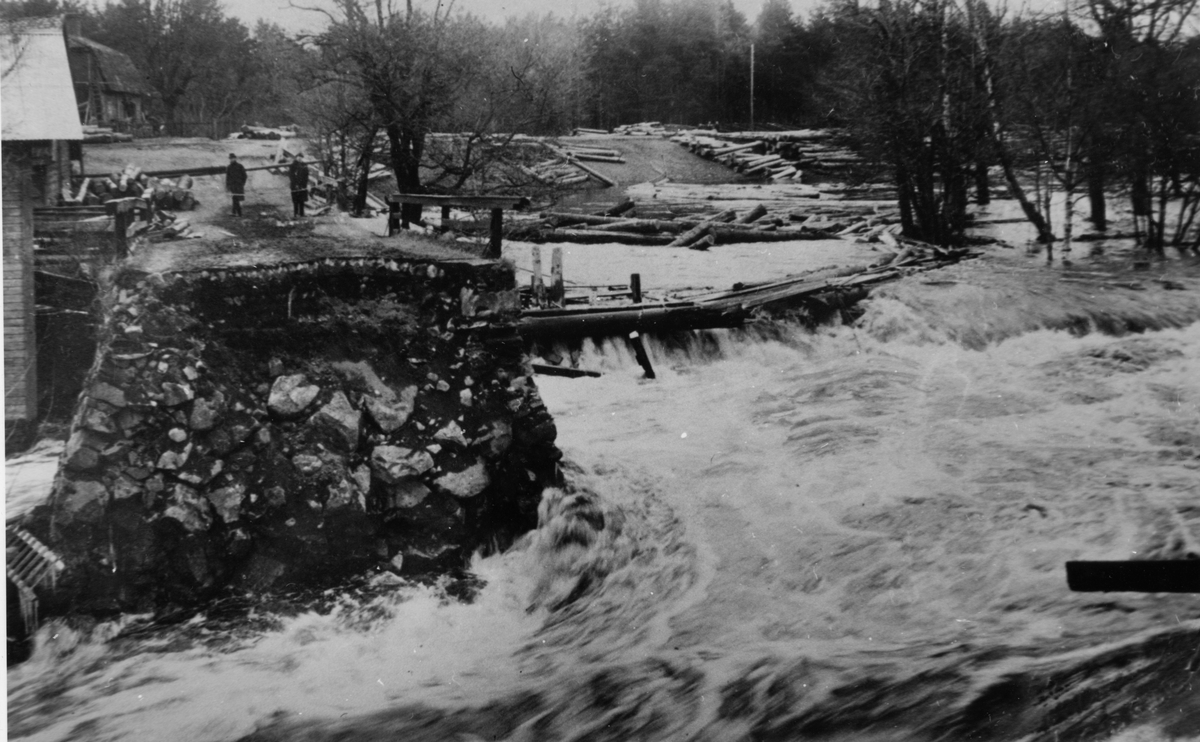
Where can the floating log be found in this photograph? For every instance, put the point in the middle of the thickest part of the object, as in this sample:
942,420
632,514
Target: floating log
590,157
730,233
570,373
581,130
704,242
754,214
1142,576
595,237
642,318
565,219
696,232
598,176
625,205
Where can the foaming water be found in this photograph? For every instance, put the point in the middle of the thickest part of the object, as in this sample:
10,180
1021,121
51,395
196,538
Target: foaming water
413,645
857,533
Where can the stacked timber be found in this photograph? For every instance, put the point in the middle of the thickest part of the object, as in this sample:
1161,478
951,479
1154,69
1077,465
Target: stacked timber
164,226
643,129
266,132
566,168
589,154
788,201
774,156
728,226
173,194
556,172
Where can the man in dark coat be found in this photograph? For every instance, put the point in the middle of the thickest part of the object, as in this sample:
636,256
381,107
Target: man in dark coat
235,183
298,177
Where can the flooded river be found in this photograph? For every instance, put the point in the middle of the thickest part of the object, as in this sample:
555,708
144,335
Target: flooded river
856,533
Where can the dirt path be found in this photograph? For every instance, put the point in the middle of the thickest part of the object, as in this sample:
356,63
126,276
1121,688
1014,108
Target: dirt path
266,235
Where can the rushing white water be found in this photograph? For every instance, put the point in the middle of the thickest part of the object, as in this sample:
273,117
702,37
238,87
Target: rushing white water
857,533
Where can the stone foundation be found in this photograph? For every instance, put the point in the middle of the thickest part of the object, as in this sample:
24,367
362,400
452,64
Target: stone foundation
245,430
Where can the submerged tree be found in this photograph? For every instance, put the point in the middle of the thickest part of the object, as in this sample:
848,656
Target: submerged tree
904,83
1151,54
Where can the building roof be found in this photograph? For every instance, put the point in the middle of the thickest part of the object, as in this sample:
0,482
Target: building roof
117,71
37,98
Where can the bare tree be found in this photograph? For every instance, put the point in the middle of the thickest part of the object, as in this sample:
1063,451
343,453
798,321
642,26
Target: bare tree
423,72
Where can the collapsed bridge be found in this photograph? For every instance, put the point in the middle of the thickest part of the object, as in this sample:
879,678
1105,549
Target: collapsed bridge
247,428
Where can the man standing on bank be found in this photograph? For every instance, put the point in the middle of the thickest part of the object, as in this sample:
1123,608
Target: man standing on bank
298,177
235,183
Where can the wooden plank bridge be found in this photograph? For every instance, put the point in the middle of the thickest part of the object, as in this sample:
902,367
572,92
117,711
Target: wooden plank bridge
715,309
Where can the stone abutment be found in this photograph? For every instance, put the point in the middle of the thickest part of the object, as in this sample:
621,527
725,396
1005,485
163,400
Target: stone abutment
243,430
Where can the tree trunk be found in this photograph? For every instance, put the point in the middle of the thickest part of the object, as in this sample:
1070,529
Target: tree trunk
993,106
407,146
904,192
364,171
983,194
1140,191
1095,176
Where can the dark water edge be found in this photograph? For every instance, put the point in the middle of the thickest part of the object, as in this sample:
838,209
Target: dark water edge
1072,696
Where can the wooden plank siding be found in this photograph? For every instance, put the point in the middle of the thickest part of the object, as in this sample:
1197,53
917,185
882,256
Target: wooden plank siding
20,348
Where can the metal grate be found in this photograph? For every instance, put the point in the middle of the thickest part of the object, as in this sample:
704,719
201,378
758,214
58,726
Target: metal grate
29,564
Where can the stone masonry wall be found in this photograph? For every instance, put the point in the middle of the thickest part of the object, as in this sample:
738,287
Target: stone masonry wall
245,430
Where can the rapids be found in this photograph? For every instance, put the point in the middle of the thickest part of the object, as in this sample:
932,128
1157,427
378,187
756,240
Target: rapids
856,533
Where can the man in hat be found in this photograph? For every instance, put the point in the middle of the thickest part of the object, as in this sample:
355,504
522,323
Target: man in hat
235,183
298,178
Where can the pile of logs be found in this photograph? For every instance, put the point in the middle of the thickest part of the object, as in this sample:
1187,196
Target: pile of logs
266,132
737,221
163,227
556,171
103,135
589,154
644,129
162,193
566,168
776,156
725,227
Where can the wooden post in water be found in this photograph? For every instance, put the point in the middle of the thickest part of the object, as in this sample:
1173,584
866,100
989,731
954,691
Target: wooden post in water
557,289
539,290
445,218
639,352
494,249
1140,576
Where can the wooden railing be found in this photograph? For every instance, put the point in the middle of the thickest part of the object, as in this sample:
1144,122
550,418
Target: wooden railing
496,204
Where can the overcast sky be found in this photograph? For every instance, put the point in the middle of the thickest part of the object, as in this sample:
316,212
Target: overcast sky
286,14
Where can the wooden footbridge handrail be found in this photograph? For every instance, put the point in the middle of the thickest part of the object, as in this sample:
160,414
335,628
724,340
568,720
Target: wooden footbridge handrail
397,220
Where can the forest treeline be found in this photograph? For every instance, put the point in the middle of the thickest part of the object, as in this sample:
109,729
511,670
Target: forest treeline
1099,98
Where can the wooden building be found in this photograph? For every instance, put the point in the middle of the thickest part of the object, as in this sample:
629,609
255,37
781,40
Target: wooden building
39,129
109,89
